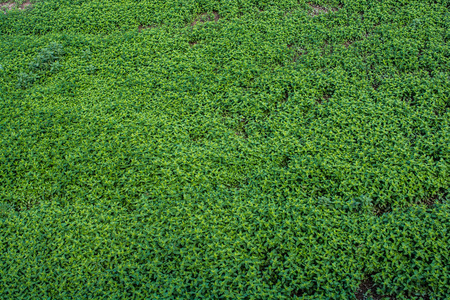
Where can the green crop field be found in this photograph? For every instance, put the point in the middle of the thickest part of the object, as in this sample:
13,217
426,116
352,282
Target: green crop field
225,149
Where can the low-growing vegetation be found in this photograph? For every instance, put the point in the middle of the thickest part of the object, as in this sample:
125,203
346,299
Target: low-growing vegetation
225,149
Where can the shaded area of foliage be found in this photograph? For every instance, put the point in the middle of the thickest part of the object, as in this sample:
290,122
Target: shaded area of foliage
240,150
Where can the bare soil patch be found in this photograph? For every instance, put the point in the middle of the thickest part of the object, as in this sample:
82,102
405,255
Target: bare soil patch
434,200
206,17
142,27
7,6
298,52
318,10
25,4
348,43
367,290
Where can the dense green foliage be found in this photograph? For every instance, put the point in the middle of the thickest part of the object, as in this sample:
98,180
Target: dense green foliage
211,149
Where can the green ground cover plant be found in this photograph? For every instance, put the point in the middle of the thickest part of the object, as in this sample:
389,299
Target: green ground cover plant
233,149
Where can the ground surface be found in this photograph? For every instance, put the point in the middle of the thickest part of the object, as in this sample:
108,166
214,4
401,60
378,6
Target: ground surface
224,149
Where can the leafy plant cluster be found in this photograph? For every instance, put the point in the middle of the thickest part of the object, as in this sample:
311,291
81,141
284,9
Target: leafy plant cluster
218,247
225,149
47,61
